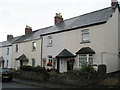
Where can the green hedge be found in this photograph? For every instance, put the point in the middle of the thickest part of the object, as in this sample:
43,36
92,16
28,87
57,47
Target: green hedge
35,69
32,73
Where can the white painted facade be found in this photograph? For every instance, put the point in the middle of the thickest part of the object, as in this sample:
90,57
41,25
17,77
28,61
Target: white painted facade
26,49
7,55
103,40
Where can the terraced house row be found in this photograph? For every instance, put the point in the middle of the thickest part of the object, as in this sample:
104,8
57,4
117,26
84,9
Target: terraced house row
93,38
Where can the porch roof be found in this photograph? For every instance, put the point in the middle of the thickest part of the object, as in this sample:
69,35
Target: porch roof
22,58
86,50
2,59
65,54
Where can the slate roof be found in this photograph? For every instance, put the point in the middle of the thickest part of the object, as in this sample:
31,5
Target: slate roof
27,37
86,50
23,58
93,18
65,54
9,42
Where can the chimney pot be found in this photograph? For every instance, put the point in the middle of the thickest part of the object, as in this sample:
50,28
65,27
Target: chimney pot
9,37
58,18
28,29
114,3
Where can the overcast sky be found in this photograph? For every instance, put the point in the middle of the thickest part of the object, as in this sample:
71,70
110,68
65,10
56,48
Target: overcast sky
16,14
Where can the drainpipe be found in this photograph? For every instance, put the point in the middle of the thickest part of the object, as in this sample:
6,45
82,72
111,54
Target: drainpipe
41,48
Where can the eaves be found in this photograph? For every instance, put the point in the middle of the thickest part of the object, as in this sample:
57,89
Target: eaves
98,23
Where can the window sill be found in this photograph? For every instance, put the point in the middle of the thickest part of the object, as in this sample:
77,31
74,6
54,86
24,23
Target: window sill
49,46
84,42
34,50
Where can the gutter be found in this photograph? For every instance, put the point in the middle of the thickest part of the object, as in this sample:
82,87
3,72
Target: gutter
74,28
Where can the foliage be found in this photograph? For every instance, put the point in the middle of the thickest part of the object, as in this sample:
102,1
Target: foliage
35,69
86,67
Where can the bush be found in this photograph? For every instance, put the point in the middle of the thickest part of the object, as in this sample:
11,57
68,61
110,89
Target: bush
86,68
35,69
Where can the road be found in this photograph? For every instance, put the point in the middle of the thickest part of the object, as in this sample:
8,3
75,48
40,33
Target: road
16,85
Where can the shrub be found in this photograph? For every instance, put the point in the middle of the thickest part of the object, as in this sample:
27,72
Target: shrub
86,68
35,69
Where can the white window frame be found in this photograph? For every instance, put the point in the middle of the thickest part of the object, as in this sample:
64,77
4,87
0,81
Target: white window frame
16,47
50,41
8,50
88,58
34,46
85,36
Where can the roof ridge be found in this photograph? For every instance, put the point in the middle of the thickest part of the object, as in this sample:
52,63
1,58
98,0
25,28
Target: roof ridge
87,13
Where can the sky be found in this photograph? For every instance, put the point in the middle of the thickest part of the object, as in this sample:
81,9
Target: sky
16,14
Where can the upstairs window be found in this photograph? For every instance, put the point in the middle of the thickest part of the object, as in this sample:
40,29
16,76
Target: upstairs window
85,36
50,41
7,51
33,45
16,48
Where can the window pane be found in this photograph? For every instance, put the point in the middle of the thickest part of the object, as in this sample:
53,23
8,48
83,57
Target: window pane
49,40
16,48
82,59
7,51
90,59
85,35
34,45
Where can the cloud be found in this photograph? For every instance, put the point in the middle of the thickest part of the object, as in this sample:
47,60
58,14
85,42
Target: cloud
15,14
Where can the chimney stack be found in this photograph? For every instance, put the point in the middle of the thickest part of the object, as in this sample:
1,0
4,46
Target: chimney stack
114,3
9,37
58,18
28,29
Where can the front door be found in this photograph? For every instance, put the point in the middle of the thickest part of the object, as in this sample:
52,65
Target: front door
21,63
69,65
58,65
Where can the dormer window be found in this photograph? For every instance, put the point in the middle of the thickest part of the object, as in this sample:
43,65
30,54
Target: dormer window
50,41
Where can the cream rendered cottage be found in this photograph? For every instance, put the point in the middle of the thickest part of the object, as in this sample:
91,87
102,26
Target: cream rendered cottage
93,38
27,49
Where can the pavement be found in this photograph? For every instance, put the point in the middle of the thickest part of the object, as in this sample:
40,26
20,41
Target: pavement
42,84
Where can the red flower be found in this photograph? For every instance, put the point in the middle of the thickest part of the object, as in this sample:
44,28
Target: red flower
49,64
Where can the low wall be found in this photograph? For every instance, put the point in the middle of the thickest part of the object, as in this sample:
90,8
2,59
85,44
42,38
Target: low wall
77,79
30,75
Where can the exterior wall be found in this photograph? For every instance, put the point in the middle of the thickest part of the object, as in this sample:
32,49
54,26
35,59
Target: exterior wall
103,38
26,48
33,54
15,63
7,57
110,57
